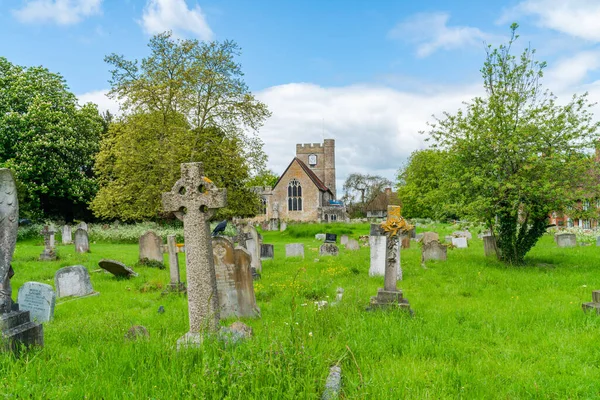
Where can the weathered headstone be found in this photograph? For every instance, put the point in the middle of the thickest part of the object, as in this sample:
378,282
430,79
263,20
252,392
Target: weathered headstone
330,238
67,235
82,225
390,295
459,242
405,241
117,268
429,237
344,240
433,250
489,245
37,298
233,271
48,254
151,247
253,246
73,281
294,250
598,241
175,284
82,243
194,199
328,249
595,304
282,226
352,244
267,252
320,236
566,239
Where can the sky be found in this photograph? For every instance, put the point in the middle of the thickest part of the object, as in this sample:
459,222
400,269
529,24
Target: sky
369,74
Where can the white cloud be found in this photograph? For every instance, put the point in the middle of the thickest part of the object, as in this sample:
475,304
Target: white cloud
430,32
577,18
571,71
375,128
100,98
61,12
174,15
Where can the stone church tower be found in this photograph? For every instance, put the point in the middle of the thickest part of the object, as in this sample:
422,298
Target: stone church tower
320,158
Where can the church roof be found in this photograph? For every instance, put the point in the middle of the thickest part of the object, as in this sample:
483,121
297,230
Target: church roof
313,177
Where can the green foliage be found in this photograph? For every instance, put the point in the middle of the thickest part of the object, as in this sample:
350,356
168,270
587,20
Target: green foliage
145,262
420,185
516,155
310,230
186,102
265,178
48,141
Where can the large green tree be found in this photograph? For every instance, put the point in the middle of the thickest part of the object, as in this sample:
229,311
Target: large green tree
48,140
515,154
186,102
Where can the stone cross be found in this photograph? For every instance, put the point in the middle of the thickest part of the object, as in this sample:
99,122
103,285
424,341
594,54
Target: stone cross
194,199
48,253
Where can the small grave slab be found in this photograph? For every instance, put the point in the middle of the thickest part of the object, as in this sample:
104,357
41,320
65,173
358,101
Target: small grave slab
117,268
267,252
330,238
294,250
320,236
328,249
459,242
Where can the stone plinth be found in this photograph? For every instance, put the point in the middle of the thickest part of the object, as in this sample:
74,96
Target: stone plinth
566,240
389,299
18,332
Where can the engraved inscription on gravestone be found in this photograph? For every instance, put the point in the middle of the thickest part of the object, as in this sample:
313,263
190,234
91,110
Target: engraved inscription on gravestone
37,298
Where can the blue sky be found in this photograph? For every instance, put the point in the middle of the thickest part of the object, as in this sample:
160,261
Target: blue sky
368,73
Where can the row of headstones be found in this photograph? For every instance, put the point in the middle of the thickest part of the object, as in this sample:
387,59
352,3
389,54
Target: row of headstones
82,243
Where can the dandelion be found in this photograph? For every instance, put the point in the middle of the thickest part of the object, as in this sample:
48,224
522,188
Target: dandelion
584,286
310,334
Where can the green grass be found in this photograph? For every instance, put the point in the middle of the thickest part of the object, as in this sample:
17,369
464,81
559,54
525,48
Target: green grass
481,330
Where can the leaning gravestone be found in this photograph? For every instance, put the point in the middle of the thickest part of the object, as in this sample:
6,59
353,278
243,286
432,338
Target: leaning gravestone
67,235
566,240
459,242
16,328
294,250
82,243
352,244
344,240
433,250
73,281
235,288
328,249
37,298
194,199
151,247
117,268
267,252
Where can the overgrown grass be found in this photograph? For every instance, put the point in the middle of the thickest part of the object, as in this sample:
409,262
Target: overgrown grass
481,330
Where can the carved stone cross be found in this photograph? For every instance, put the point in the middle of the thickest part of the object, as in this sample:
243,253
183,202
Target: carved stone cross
48,233
194,199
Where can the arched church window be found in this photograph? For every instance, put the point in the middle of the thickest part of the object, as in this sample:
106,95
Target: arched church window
294,196
263,206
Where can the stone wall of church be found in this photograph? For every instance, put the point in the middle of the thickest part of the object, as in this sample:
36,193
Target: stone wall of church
310,196
325,157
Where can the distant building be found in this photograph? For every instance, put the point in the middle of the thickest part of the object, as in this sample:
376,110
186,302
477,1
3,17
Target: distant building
377,208
306,189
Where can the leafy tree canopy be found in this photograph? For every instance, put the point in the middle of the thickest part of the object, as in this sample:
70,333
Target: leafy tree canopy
516,154
48,140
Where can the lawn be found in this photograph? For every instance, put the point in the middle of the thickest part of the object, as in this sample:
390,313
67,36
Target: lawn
480,329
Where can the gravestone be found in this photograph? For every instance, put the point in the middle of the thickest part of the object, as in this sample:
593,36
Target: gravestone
330,238
344,240
235,288
489,245
429,237
82,243
175,285
17,331
320,236
294,250
48,254
390,296
67,235
566,239
459,242
151,247
253,246
274,224
328,249
595,304
434,250
117,268
282,226
194,199
352,244
267,252
405,241
37,298
73,281
377,248
376,230
598,241
82,225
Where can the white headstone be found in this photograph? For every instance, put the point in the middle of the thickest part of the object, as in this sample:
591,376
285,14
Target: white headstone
377,246
459,242
37,298
294,250
73,281
82,243
67,235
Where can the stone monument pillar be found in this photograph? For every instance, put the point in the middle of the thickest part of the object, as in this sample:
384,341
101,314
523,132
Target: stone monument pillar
48,254
176,285
194,199
390,296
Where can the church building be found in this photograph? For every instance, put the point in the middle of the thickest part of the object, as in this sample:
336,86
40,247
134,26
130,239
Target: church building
306,189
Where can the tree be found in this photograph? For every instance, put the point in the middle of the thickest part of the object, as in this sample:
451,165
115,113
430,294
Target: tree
48,140
265,178
516,155
360,189
186,102
420,186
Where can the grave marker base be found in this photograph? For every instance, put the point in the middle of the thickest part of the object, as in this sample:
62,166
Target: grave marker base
17,332
388,299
